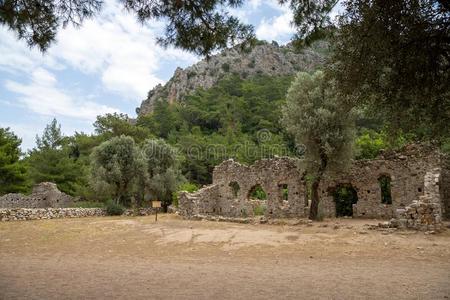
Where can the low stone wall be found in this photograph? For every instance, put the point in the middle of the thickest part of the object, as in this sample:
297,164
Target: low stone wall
13,214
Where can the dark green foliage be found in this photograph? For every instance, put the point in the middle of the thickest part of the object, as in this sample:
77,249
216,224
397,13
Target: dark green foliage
314,113
118,164
344,197
111,125
226,67
385,186
259,210
285,193
197,26
223,122
187,187
37,21
257,192
393,56
311,19
162,121
162,171
12,170
370,143
53,160
113,208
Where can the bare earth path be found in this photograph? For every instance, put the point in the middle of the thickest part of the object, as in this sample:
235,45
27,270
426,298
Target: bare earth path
134,258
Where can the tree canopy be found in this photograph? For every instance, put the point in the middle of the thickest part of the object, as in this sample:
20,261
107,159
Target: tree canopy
52,160
12,170
393,57
199,26
314,115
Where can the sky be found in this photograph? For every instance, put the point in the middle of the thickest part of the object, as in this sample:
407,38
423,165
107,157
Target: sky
107,65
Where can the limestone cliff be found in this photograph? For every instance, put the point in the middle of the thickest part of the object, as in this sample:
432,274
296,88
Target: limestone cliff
264,58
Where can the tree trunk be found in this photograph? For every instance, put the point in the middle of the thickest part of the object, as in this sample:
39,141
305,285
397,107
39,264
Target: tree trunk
315,198
314,209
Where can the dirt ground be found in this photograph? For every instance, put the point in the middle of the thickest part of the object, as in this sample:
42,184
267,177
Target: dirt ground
136,258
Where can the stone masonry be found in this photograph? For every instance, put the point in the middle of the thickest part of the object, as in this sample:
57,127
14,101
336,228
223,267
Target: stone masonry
22,214
407,170
44,194
425,213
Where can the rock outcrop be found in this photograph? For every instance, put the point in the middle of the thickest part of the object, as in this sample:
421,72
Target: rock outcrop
265,58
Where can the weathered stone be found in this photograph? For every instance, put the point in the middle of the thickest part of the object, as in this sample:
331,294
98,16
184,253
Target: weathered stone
418,181
13,214
44,194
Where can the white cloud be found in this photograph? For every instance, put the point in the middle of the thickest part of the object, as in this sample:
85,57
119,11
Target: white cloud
113,46
277,28
43,97
16,56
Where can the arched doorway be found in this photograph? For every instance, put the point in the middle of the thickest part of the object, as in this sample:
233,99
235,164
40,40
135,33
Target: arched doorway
344,197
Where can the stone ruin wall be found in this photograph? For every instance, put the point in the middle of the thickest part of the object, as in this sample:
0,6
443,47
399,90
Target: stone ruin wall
406,169
44,194
219,198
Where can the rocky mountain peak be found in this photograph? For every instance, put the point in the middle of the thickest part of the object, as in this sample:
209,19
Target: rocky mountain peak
265,58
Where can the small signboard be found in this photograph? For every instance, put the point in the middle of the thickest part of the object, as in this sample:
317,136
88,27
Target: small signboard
156,204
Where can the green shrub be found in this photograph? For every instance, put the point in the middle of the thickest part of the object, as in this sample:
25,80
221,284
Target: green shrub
187,187
114,209
258,193
445,147
226,67
259,210
369,144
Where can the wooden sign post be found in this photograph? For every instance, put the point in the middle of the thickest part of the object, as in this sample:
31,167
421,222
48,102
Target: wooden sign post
156,205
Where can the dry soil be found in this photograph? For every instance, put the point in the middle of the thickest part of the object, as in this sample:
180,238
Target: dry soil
136,258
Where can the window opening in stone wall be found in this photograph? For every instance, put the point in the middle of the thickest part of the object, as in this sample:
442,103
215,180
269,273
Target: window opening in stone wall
284,191
234,188
257,192
344,197
385,186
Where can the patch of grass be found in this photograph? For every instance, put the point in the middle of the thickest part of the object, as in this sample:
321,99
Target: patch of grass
260,210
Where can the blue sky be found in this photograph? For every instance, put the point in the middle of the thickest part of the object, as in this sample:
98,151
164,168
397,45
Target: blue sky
107,65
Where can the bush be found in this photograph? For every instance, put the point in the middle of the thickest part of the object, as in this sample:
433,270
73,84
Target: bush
226,67
259,210
114,209
188,187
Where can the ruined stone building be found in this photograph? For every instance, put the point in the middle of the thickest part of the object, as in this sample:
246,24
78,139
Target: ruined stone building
375,188
44,194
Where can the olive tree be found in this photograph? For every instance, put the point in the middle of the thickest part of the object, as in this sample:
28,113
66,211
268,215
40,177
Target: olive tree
317,119
163,170
118,163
